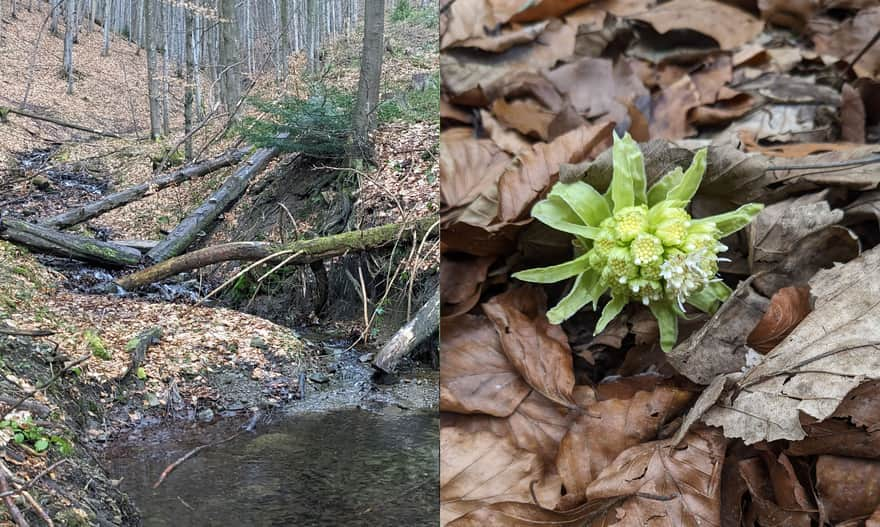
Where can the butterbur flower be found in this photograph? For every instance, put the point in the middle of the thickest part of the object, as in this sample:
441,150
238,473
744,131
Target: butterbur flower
635,244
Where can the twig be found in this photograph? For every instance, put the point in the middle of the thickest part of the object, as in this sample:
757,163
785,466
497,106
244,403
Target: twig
841,164
190,454
48,383
366,332
30,483
241,273
6,330
13,509
864,50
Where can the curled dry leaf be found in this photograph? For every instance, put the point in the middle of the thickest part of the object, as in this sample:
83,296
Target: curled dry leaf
606,428
664,484
461,282
764,508
468,167
860,405
831,352
728,26
537,349
847,487
845,39
475,376
787,308
837,437
478,468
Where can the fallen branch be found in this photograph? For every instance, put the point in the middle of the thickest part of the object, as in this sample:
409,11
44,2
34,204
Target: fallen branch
14,511
44,239
46,384
30,483
413,333
170,468
204,215
123,197
138,348
24,113
309,251
16,332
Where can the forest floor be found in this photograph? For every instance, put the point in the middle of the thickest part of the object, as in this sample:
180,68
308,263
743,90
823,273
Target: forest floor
210,361
756,413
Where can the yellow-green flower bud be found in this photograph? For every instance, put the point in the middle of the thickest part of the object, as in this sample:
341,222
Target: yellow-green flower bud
646,249
646,290
630,222
650,271
621,264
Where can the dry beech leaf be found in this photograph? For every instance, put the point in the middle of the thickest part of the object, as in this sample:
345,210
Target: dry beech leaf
468,166
728,26
763,509
509,140
664,485
847,487
461,282
526,116
860,405
852,115
671,107
845,39
475,376
831,352
537,349
837,437
468,19
505,40
478,468
787,308
608,427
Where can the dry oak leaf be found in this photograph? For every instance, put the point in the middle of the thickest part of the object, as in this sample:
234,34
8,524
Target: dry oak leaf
478,468
606,428
475,376
787,308
537,349
728,26
664,484
831,352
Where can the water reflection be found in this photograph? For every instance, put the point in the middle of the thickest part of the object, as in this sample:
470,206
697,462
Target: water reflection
346,468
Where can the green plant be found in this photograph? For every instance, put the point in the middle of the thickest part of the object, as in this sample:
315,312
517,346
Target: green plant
411,105
318,126
405,12
94,342
639,244
27,433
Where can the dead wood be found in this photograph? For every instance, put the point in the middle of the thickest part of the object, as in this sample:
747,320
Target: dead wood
204,215
413,333
138,349
24,113
305,251
44,239
123,197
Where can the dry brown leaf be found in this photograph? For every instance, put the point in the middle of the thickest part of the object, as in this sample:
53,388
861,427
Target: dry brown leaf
475,376
537,349
845,39
468,166
509,140
512,514
664,485
728,26
478,468
860,405
608,427
837,437
506,39
787,308
541,9
526,116
847,487
461,282
831,352
671,106
852,115
792,150
468,19
526,179
792,14
452,113
764,510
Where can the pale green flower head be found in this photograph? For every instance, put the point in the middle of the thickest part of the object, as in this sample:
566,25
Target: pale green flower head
638,244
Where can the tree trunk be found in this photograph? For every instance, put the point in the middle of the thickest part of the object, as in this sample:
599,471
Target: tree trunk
422,326
284,41
189,36
123,197
166,49
230,56
43,239
312,32
370,77
306,251
53,120
70,25
108,6
152,80
202,217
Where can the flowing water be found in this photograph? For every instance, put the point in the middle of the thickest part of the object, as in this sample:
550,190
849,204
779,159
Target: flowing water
343,468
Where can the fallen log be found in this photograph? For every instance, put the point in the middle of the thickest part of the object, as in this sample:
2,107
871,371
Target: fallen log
123,197
4,111
44,239
413,333
303,251
201,218
138,349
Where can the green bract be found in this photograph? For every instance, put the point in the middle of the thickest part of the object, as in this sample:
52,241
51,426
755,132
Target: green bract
638,244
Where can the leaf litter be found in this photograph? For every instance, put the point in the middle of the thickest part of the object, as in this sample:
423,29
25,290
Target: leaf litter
765,412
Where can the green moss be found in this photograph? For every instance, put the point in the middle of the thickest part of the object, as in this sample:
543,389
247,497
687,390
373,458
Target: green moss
96,345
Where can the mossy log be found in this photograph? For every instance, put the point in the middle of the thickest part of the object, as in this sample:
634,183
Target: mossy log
413,333
117,199
305,251
204,215
138,349
44,239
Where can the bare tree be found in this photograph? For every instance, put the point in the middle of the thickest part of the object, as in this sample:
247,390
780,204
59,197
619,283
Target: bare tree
152,81
108,6
189,35
313,32
230,60
69,30
370,76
